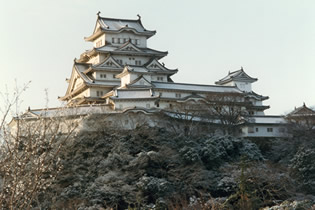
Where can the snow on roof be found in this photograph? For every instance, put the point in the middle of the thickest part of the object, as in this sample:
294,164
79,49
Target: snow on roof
70,111
267,120
110,48
112,24
125,93
236,75
196,87
302,110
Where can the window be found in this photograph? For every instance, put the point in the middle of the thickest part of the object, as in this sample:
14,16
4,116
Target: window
99,43
138,62
250,129
269,130
137,42
103,75
113,40
160,78
178,95
114,76
118,40
99,93
257,129
120,61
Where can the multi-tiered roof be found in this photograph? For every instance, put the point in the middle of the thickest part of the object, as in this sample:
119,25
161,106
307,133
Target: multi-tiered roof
122,72
120,46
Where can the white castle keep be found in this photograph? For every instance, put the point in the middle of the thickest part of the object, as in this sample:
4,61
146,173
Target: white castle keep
122,73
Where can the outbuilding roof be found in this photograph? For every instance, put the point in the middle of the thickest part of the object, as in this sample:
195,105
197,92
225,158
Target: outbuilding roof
238,75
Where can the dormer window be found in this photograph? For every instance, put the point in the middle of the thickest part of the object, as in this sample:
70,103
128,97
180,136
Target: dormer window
138,62
113,40
160,78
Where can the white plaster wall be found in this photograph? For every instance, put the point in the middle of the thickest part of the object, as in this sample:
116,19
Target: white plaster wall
155,78
244,86
166,94
125,59
262,131
127,36
131,104
93,91
100,38
110,76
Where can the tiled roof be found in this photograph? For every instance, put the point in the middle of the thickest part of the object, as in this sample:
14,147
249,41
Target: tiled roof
196,87
302,110
113,24
238,75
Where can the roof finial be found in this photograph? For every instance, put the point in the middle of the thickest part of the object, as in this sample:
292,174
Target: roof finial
29,108
163,63
98,13
139,17
242,68
304,104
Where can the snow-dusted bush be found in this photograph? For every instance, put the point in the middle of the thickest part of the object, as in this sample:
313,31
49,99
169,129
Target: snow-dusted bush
303,165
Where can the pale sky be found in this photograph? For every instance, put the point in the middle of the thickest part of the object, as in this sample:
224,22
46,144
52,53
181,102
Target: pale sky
274,41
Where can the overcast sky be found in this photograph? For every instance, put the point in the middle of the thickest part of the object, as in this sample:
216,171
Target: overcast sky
274,41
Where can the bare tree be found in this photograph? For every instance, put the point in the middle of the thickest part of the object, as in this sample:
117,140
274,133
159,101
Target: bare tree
229,110
223,111
29,151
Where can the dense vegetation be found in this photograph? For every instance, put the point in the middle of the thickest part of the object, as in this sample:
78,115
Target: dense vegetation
154,168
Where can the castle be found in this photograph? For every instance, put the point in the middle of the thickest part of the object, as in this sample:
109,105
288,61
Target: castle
122,73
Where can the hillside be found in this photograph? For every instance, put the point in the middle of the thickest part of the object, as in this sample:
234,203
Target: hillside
153,168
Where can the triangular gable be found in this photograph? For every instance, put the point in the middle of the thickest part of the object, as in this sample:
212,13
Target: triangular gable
243,76
129,47
76,80
110,62
155,65
140,81
29,114
97,27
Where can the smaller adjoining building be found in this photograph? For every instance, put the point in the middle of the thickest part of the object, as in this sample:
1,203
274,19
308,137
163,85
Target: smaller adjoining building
303,117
